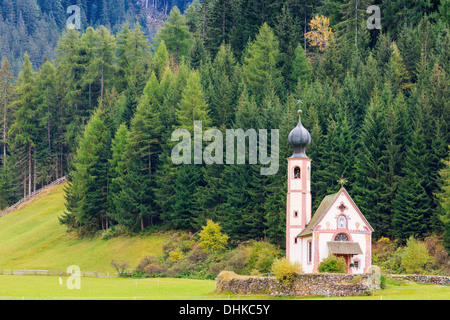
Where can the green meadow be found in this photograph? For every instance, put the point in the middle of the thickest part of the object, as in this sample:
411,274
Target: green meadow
31,237
55,288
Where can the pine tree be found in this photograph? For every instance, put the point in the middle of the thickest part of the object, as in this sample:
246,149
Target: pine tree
118,169
353,20
161,59
176,35
105,58
193,106
122,58
87,191
444,199
301,71
219,24
6,96
409,48
368,183
411,204
223,87
46,113
260,65
287,31
135,204
23,130
398,75
69,80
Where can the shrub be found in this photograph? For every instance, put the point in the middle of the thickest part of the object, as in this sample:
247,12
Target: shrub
332,264
152,266
120,266
176,255
285,271
197,254
440,263
394,263
382,250
415,256
261,256
237,259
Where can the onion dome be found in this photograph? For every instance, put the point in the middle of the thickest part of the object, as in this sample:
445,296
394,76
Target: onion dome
299,138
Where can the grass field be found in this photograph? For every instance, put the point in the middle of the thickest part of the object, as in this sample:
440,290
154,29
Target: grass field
31,237
50,287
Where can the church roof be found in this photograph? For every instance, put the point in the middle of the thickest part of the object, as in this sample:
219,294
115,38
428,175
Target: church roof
323,209
344,247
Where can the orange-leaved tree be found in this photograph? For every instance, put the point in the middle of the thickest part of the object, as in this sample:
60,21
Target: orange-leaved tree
321,34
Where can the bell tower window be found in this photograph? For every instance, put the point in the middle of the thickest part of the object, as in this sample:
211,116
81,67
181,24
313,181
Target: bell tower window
297,174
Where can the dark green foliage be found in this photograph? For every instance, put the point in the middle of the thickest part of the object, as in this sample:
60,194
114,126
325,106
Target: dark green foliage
86,194
105,108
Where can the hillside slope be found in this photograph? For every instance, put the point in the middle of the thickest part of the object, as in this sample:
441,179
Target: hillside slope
32,238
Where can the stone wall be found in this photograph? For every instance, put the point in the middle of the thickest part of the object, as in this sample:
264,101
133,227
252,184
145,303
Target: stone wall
442,280
304,284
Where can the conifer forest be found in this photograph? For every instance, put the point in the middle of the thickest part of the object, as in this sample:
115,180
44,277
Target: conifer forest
98,104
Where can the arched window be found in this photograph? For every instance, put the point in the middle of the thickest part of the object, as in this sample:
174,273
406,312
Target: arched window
342,222
297,173
341,237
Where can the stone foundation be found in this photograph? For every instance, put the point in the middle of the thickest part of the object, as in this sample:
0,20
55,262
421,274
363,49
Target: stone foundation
304,284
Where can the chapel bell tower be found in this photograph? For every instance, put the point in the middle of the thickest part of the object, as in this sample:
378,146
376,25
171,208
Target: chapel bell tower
298,205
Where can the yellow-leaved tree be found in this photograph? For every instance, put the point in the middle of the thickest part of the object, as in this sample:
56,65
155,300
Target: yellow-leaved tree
211,237
321,33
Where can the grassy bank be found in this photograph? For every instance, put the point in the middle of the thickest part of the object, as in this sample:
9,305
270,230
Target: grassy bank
31,237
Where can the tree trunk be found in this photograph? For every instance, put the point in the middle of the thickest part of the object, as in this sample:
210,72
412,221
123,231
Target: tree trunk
103,86
90,96
48,129
304,31
34,176
29,170
4,132
205,3
356,25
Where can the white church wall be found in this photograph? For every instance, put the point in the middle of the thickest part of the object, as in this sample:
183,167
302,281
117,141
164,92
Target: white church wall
307,267
295,249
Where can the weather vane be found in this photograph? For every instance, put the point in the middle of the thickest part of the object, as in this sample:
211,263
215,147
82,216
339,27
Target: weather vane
342,181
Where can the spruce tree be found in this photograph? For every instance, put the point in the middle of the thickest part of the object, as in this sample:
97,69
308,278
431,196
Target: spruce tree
260,65
444,199
301,72
46,113
176,35
219,24
411,206
161,59
135,204
24,129
6,97
87,191
368,169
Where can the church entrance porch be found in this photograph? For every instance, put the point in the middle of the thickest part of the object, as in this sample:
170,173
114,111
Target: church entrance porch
346,250
348,259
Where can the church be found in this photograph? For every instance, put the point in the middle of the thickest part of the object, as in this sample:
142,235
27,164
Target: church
337,227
